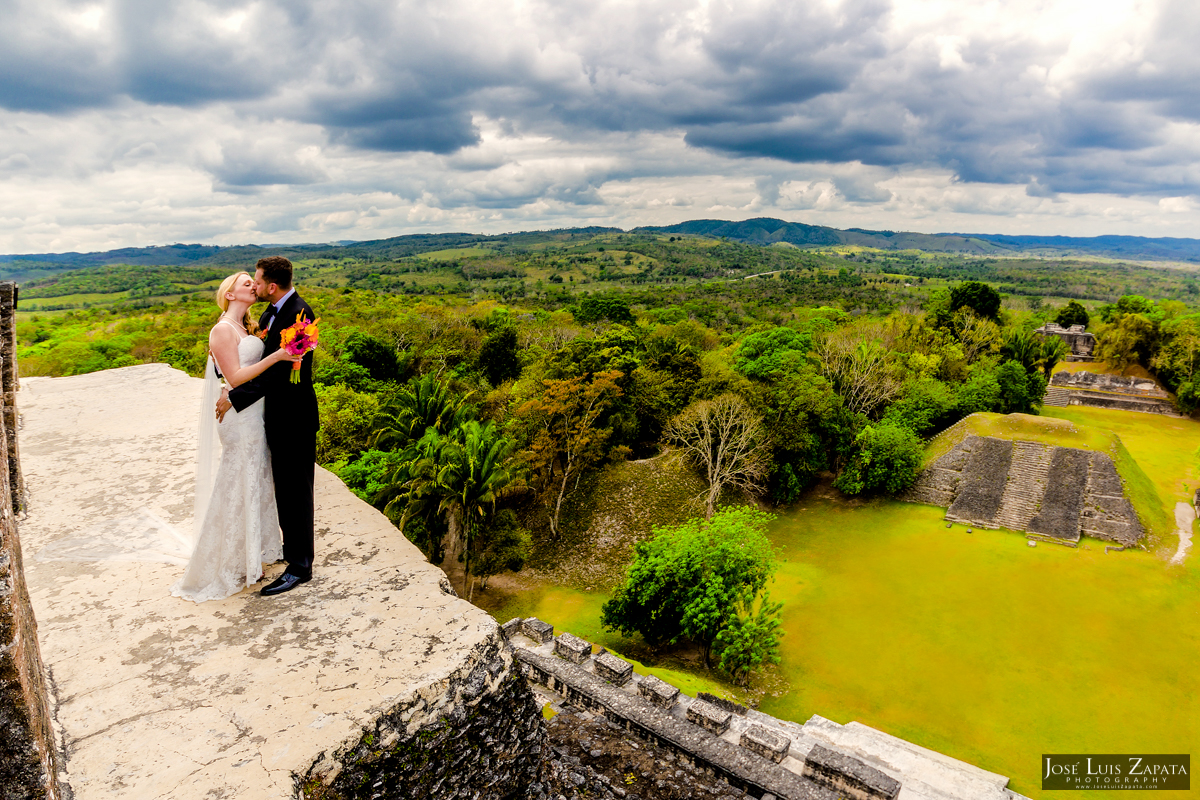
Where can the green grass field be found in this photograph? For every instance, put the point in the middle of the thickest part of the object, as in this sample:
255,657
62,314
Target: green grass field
981,647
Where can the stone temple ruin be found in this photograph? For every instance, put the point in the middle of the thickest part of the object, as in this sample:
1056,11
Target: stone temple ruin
1098,390
1082,343
1056,493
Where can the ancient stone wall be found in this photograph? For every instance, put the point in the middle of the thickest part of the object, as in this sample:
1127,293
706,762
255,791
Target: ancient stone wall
480,737
1100,390
9,383
751,752
28,760
1082,343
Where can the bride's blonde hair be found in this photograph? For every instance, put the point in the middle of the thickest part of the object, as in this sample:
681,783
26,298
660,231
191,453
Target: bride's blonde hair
223,301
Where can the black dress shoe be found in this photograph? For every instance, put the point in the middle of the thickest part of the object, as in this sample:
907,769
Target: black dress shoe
284,583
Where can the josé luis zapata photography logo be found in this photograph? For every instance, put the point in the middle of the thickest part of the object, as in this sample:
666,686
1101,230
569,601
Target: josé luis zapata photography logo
1128,771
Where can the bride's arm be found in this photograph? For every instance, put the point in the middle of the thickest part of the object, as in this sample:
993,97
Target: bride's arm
223,342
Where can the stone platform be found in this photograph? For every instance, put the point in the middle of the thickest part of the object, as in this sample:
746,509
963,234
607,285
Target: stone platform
323,688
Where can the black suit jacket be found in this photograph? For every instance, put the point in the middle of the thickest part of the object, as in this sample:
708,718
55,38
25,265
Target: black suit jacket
288,406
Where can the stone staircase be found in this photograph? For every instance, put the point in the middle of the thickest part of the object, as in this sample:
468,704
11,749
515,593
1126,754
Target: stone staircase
1057,396
1026,485
923,774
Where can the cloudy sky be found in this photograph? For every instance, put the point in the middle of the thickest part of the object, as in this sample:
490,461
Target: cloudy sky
139,122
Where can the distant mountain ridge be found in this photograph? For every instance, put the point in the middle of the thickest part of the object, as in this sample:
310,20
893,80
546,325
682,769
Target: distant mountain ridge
766,230
761,231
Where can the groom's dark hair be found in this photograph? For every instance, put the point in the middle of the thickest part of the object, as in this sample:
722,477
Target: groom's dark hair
276,270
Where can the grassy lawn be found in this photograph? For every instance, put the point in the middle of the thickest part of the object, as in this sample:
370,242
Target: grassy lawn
981,647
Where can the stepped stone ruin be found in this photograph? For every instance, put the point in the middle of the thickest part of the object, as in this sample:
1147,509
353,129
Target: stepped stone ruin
1081,342
1098,390
1056,492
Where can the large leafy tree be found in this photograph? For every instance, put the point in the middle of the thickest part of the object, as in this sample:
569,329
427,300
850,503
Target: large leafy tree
1073,313
692,580
980,297
886,461
498,359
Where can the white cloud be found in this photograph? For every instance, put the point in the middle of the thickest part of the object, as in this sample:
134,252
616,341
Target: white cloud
132,122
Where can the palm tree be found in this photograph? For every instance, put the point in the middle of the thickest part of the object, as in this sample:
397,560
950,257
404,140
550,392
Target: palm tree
423,404
464,475
1052,351
1023,348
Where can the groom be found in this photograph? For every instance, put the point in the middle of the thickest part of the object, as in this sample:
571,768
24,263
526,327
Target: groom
290,417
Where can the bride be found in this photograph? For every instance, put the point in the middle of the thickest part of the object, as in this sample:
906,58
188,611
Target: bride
235,526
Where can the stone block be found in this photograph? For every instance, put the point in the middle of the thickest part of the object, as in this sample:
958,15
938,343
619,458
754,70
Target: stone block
707,716
572,648
511,628
848,776
765,742
722,703
612,669
540,632
658,692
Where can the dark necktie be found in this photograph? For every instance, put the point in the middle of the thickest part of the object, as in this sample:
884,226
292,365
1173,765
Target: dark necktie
267,318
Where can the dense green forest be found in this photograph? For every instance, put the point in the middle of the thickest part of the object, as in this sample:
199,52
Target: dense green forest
466,391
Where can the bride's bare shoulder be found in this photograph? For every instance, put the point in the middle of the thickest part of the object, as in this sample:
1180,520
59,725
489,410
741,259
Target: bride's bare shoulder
221,333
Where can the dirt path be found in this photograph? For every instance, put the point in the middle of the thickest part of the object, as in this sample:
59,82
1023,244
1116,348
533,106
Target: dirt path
1185,515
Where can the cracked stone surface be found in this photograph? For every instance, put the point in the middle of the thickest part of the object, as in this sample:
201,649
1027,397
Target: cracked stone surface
159,697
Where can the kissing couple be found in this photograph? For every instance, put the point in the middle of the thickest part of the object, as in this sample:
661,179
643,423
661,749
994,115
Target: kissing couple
267,424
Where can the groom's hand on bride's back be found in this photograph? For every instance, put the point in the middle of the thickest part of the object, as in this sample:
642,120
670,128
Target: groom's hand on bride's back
223,405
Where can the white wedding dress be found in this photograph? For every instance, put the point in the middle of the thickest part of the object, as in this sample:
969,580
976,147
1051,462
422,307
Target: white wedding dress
238,529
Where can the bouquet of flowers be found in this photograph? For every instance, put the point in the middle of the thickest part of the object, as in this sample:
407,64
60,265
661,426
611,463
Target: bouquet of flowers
298,338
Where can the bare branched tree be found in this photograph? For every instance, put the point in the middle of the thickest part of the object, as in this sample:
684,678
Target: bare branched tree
859,365
726,439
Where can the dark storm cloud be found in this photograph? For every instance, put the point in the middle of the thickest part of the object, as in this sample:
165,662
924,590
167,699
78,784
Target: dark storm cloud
799,82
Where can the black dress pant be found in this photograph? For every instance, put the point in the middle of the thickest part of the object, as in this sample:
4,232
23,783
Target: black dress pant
293,465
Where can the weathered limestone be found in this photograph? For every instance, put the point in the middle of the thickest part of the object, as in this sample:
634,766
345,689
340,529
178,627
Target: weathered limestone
1062,499
537,630
709,716
766,743
845,774
615,670
741,767
372,680
1107,512
1028,477
658,692
1082,343
1101,390
29,762
9,384
981,488
758,753
572,648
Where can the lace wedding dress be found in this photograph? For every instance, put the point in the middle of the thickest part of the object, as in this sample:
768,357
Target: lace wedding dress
238,528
